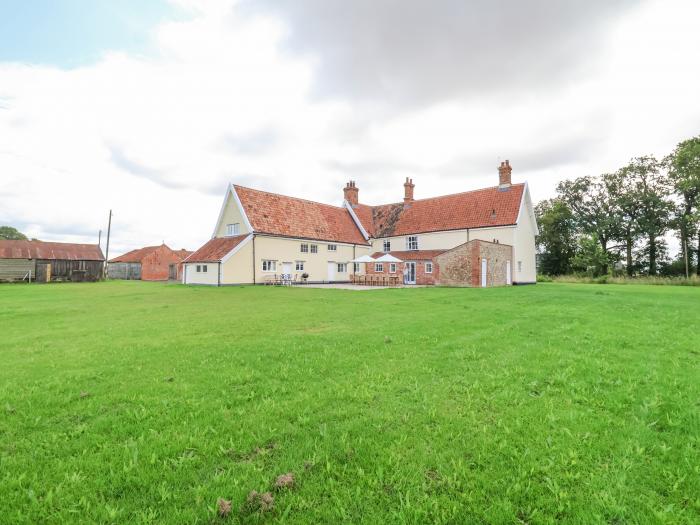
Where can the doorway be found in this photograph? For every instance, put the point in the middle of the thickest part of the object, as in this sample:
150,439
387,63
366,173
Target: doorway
509,277
331,272
410,273
484,270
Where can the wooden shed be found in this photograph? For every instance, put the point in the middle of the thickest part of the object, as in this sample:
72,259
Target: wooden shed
152,263
50,261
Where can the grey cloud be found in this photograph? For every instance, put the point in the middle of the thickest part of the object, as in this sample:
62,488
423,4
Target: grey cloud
261,141
417,51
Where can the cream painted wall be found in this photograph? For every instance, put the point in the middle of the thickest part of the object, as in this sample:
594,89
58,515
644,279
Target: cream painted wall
524,266
239,268
448,239
231,215
210,277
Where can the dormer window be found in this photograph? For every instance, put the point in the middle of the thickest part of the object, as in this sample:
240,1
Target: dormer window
412,242
387,246
233,229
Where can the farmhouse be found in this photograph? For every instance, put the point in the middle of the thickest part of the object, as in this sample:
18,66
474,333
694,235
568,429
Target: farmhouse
50,261
483,237
152,263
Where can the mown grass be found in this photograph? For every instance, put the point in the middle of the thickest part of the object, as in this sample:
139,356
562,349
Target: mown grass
655,280
129,402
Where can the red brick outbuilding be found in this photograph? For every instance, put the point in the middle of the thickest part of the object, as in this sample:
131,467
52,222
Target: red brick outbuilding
152,263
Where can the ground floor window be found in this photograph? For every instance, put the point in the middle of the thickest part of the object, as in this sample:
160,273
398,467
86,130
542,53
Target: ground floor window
378,267
300,266
356,267
269,266
342,267
201,268
428,267
392,267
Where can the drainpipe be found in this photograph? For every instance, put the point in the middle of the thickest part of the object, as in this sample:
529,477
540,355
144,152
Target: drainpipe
254,259
218,276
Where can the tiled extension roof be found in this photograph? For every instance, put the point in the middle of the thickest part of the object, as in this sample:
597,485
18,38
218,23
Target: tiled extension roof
50,251
138,255
216,249
291,217
483,208
413,255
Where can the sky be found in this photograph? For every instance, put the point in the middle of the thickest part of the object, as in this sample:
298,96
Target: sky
151,108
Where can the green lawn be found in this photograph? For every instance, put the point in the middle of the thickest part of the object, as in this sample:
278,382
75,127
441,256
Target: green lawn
129,402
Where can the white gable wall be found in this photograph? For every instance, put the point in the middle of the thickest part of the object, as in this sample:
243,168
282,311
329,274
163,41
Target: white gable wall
231,213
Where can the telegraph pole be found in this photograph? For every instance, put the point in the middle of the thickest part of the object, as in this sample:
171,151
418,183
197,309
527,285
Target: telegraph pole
109,230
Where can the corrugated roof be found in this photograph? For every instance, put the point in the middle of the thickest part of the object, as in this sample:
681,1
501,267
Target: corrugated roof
215,249
488,207
50,250
292,217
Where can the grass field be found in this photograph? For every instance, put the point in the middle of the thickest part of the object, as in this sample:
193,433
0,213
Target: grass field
129,402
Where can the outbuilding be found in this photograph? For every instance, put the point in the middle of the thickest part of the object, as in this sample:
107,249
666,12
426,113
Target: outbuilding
152,263
50,261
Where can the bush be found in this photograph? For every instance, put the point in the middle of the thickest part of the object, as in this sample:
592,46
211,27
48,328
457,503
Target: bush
609,279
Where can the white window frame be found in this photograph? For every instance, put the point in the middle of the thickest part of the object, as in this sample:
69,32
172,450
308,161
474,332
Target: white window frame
299,266
342,267
412,243
379,267
268,265
314,248
392,267
428,267
332,247
356,267
304,247
386,246
199,268
204,268
233,229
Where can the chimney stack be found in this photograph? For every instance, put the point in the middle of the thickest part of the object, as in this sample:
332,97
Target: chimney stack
408,191
351,193
504,171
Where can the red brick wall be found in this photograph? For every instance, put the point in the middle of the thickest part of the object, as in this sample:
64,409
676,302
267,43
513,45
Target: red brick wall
461,266
155,266
421,276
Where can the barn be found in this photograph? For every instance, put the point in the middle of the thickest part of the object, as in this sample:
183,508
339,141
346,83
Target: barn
151,263
50,261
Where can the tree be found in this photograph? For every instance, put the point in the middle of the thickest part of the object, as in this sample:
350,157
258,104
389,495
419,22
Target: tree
590,257
594,210
622,189
556,241
652,190
684,171
11,234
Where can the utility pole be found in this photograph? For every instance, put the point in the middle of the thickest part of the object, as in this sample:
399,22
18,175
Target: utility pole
109,231
99,238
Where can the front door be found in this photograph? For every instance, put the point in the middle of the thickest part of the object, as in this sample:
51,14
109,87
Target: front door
484,268
287,270
509,277
331,272
410,273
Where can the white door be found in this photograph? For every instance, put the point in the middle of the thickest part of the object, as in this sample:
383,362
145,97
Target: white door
287,270
509,277
411,274
331,272
484,268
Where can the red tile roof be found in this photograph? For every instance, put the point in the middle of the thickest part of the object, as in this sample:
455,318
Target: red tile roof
50,250
413,255
216,249
292,217
487,207
138,255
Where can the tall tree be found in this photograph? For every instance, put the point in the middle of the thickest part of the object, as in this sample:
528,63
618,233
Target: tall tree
684,171
594,210
652,189
11,234
556,241
621,186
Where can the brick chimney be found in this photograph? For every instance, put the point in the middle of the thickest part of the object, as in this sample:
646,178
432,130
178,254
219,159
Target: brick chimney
504,171
408,191
351,193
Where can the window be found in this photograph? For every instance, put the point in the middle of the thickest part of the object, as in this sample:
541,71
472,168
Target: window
332,247
233,229
378,267
412,242
314,248
387,246
428,267
356,267
199,268
342,267
300,266
520,266
304,248
269,266
204,268
392,267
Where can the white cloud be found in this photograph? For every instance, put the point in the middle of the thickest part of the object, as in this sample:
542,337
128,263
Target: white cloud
157,138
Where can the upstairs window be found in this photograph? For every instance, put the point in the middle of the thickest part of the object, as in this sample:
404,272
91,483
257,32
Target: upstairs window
304,248
233,229
314,248
332,247
412,242
387,246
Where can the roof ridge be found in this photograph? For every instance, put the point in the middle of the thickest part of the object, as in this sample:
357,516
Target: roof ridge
290,197
442,196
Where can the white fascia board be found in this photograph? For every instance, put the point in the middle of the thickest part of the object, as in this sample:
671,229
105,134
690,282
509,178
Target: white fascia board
241,208
230,190
526,206
348,207
236,248
221,212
